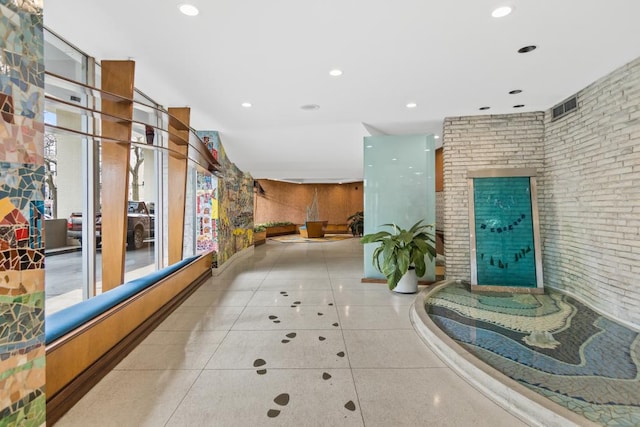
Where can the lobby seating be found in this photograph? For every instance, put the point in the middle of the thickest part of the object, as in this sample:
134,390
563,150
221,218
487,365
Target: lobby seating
70,318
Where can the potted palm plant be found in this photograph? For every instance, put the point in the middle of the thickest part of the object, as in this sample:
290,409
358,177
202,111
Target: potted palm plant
400,255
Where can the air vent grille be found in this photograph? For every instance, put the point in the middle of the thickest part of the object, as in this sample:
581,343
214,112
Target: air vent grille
564,108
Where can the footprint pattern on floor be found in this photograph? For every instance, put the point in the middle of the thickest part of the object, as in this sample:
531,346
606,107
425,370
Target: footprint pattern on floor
350,405
291,336
274,319
282,400
259,363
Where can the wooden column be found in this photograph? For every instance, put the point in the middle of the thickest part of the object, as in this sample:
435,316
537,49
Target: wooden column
117,78
177,179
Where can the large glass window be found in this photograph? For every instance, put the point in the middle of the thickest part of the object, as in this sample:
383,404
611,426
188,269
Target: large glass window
73,147
64,182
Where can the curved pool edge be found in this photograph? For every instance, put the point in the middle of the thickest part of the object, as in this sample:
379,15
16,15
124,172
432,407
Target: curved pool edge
529,406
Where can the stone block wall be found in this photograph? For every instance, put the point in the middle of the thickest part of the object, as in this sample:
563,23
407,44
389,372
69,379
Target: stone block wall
591,200
588,166
481,142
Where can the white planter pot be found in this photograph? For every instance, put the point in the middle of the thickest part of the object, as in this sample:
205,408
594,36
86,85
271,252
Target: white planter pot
408,284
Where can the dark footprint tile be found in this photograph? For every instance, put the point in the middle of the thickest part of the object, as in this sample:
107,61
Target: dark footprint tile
291,335
282,399
273,413
282,292
259,362
276,321
297,302
272,317
293,306
261,371
330,304
336,325
320,314
285,341
350,405
325,376
341,354
321,338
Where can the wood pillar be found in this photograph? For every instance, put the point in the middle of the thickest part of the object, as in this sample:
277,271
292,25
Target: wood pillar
117,78
177,180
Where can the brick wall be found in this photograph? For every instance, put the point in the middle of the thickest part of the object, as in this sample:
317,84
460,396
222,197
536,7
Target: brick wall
591,202
588,188
480,142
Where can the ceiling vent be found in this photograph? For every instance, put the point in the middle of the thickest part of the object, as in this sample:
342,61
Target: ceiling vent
564,108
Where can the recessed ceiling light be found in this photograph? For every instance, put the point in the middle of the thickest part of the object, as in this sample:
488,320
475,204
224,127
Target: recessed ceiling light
369,146
394,159
427,150
527,49
501,12
484,108
515,92
246,104
335,72
518,106
412,105
310,107
436,137
188,9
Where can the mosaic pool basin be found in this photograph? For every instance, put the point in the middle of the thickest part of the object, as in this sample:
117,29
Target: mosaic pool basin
552,344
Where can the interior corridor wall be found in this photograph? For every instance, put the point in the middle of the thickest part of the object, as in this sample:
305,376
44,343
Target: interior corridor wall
591,199
234,197
22,350
285,201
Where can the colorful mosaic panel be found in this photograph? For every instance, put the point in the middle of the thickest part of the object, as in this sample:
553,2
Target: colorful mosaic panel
22,351
21,215
206,212
551,344
22,56
22,140
235,202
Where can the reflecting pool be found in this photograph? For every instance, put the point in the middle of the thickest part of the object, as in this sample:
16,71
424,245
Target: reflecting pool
550,343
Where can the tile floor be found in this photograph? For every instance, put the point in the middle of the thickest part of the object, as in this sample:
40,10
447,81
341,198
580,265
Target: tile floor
287,336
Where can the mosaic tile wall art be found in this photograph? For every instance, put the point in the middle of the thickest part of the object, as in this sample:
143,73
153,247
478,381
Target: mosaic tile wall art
22,351
235,203
206,212
552,344
22,140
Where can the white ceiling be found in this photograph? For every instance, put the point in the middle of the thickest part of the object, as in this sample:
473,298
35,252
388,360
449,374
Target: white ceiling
449,56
